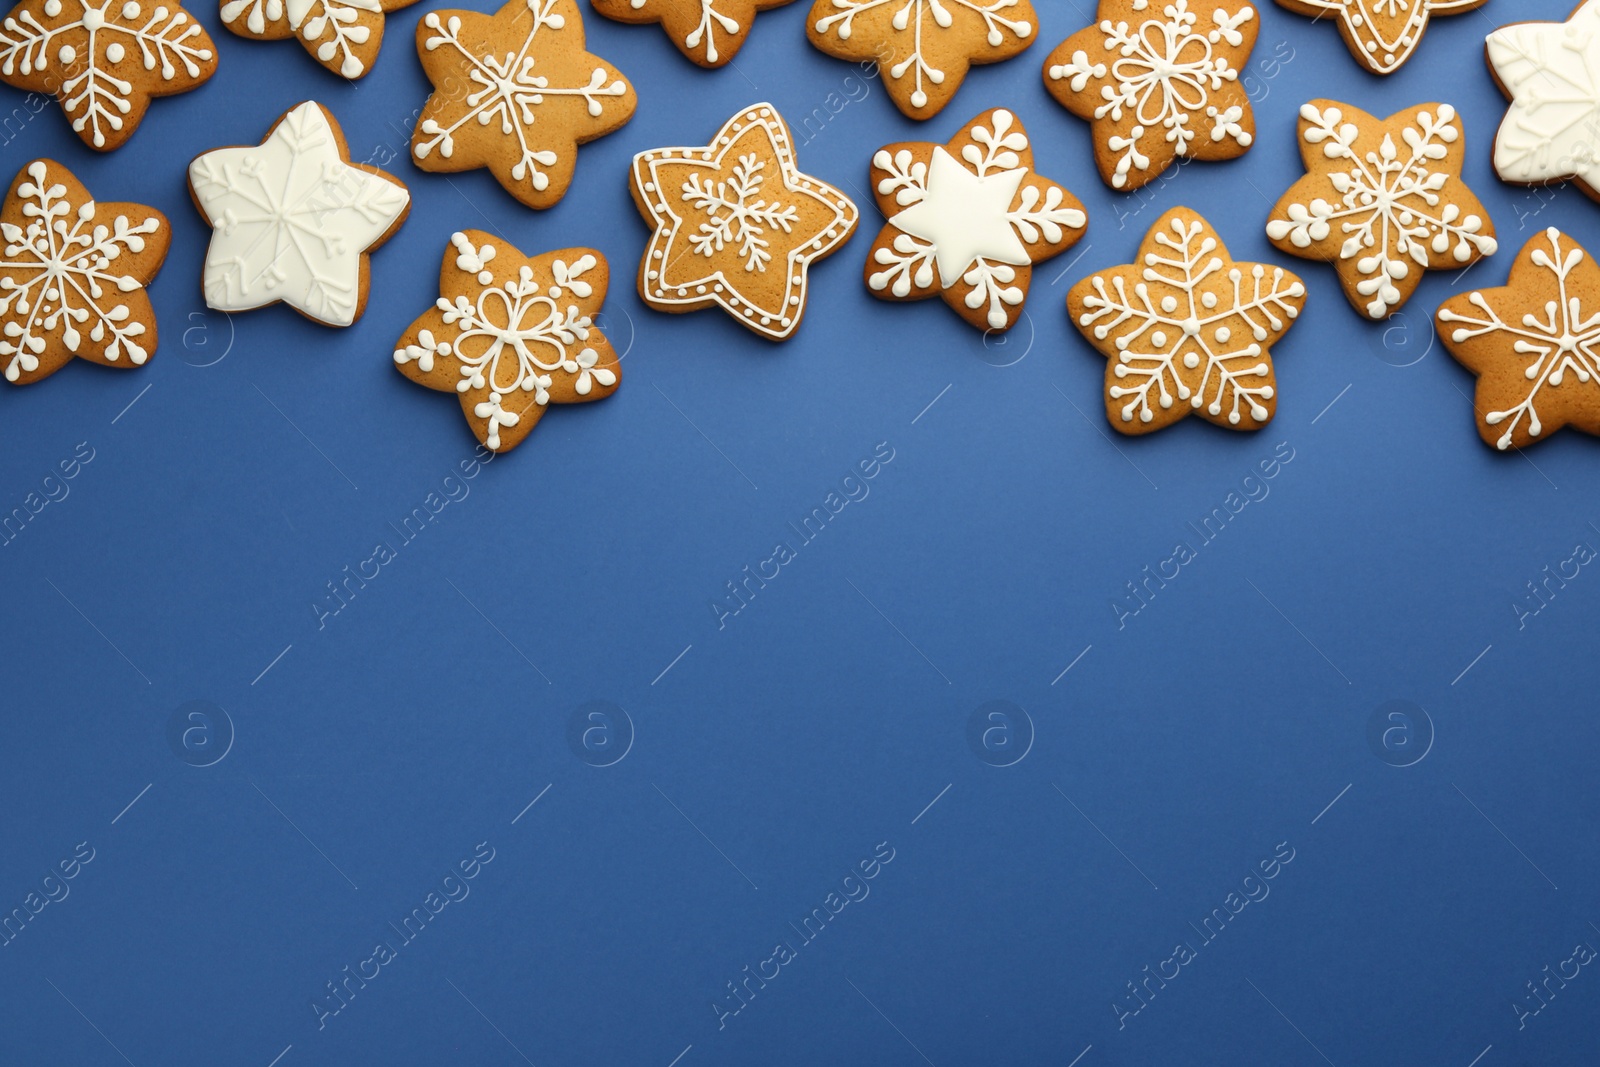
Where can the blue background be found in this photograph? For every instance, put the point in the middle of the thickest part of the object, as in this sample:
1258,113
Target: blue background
363,758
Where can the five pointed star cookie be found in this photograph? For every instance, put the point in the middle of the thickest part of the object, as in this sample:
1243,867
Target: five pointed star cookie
512,335
517,93
343,35
923,48
1381,33
708,32
1159,84
1534,344
967,221
1382,200
1551,73
72,275
104,59
737,224
292,219
1187,329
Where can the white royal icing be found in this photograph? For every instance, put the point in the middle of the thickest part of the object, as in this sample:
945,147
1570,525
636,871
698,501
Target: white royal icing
743,209
1552,72
291,219
334,19
705,29
1386,50
157,35
1164,74
928,19
507,90
56,273
513,336
959,217
1186,329
1562,341
1389,205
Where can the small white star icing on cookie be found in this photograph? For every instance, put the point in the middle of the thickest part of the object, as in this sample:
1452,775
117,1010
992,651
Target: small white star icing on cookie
292,219
737,224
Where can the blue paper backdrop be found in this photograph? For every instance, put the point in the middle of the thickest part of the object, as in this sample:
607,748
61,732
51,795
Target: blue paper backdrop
842,716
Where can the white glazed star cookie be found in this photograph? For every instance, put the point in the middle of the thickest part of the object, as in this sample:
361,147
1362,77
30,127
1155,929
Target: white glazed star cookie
1551,73
292,219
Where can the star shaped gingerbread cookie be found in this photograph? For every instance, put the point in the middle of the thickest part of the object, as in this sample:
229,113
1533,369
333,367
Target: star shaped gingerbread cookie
343,35
1159,82
967,220
707,32
736,224
1534,344
1381,34
510,335
923,48
1551,73
72,275
292,219
1382,200
515,92
104,60
1187,329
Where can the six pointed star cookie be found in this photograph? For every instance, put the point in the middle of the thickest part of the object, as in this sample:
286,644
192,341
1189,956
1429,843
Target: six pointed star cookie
1159,84
708,32
737,224
104,59
343,35
923,48
1533,343
72,275
1187,329
292,219
1551,73
1382,200
1381,33
517,93
967,221
512,335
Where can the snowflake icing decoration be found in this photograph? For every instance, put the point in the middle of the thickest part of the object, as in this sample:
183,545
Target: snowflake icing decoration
1381,33
94,58
512,335
1551,72
695,26
1143,84
343,35
971,227
1382,211
72,276
1187,329
516,74
916,37
1533,341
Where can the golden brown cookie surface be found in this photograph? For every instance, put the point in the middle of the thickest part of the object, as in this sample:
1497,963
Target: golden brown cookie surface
736,224
923,48
515,92
967,220
292,219
510,335
707,32
1534,344
104,62
1381,34
1157,82
1382,200
72,275
1187,329
343,35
